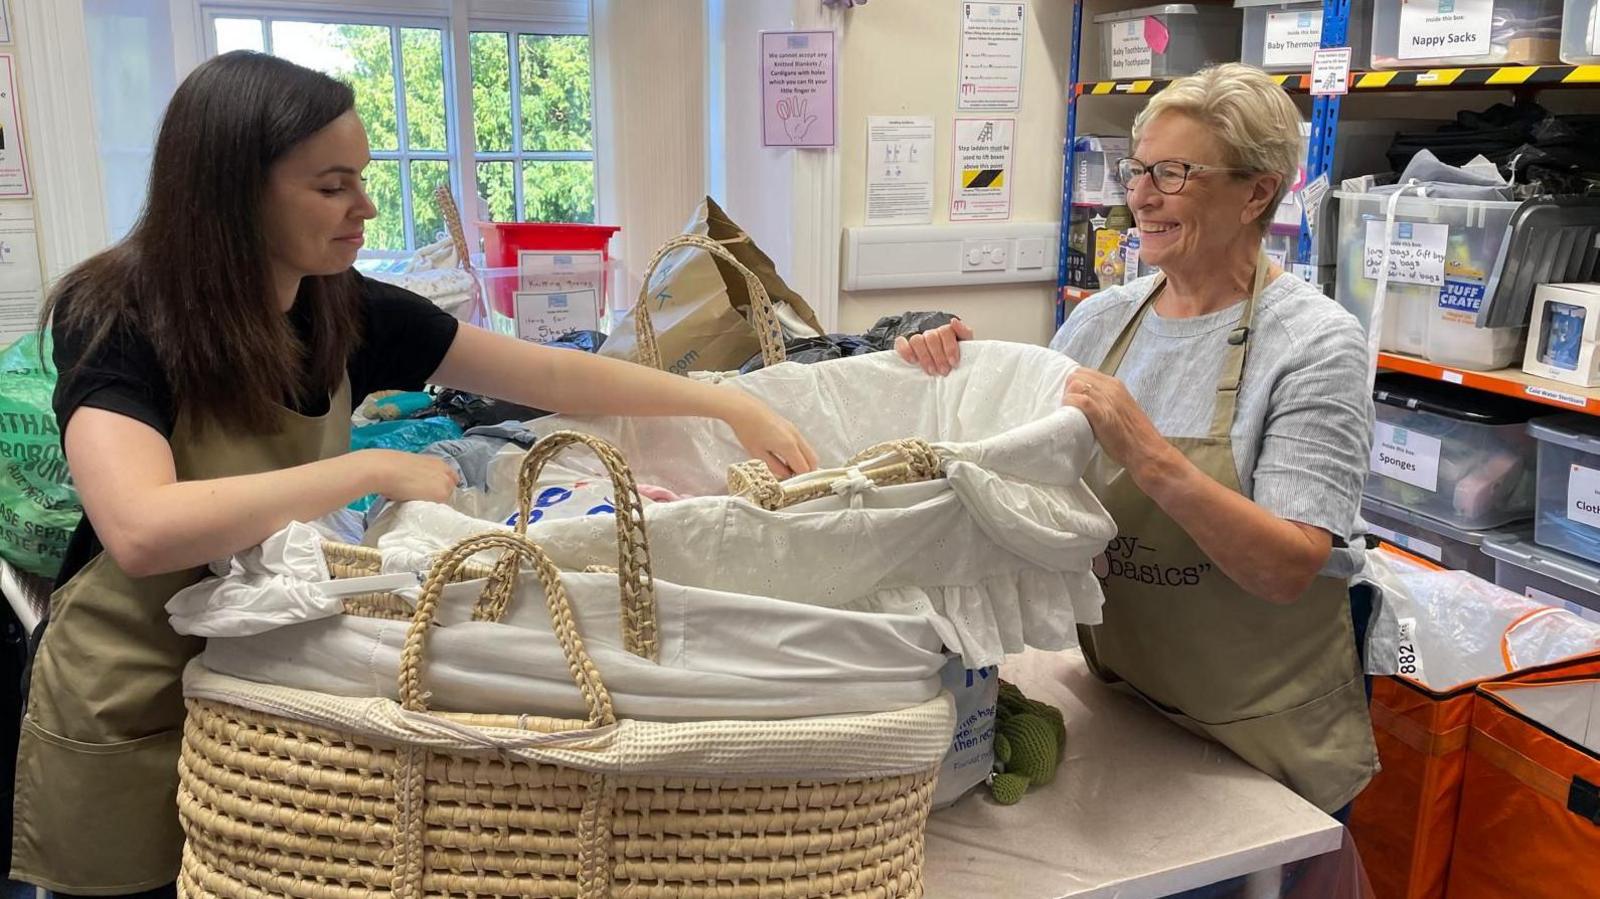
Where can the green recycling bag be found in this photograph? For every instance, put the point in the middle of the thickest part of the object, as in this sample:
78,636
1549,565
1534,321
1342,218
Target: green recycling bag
38,506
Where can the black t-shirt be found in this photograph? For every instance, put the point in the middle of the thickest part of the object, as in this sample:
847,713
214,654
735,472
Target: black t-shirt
403,339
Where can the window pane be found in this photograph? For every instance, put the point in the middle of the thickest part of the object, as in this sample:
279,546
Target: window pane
558,191
422,54
238,34
359,55
427,175
555,92
491,90
497,185
388,230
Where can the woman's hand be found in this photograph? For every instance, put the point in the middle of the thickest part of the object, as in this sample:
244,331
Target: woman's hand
1124,431
938,352
769,437
408,476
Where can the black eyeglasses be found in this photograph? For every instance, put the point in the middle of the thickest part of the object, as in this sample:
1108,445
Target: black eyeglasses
1169,175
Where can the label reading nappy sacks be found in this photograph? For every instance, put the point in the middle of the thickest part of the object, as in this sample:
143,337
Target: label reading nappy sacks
1431,29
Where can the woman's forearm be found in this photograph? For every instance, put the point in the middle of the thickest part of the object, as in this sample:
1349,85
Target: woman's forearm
566,381
1270,557
186,524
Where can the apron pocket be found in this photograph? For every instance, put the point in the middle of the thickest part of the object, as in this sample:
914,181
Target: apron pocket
1321,749
96,817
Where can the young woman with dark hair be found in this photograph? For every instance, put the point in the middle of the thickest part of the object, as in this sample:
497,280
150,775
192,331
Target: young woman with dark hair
208,364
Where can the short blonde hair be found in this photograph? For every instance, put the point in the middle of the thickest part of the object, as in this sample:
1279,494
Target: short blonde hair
1252,117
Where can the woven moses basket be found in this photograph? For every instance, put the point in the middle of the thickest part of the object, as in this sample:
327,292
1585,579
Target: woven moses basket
288,792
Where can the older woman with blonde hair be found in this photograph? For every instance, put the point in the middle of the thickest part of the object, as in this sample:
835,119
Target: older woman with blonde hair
1231,404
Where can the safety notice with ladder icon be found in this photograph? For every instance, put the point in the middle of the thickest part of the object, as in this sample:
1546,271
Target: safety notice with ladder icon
982,166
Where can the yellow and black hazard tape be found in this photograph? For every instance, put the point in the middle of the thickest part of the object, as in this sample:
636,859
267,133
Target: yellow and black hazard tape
1399,79
1499,76
1152,86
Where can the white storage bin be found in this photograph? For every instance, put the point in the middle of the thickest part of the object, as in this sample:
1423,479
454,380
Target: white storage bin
1580,33
1285,37
1166,41
1568,516
1442,268
1458,549
1545,575
1452,454
1408,34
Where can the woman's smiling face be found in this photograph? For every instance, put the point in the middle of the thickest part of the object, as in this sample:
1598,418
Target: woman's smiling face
1195,226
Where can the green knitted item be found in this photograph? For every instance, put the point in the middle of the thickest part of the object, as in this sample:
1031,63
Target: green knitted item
1034,748
1029,741
1008,788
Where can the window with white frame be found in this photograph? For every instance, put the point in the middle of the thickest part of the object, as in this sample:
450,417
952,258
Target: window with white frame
524,133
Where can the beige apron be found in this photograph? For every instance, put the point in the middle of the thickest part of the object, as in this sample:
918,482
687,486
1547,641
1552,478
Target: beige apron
97,764
1280,685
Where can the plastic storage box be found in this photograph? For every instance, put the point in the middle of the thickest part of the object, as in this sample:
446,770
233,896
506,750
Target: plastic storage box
1568,517
540,306
1284,37
1443,265
1580,35
1453,454
1166,41
1428,33
1438,542
555,247
1546,575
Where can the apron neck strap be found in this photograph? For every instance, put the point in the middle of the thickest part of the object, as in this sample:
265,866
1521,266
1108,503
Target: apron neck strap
1232,364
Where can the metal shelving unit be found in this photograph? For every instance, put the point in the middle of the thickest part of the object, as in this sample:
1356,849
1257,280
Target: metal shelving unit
1324,128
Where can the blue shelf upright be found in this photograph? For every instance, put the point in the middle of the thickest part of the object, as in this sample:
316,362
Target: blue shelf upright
1324,114
1066,164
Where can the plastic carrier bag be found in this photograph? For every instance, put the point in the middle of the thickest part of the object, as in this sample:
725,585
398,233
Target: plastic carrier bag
38,506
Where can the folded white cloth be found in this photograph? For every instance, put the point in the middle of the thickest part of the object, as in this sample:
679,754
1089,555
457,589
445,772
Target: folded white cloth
722,655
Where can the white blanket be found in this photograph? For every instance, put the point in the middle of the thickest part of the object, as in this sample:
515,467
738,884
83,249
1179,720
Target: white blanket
839,605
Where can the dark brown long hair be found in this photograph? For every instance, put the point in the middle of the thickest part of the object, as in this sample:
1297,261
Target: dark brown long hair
193,277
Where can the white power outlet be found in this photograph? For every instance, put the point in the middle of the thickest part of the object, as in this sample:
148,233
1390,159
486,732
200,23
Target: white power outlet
987,255
1030,253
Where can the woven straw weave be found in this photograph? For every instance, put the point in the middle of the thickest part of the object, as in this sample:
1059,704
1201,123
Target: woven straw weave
290,793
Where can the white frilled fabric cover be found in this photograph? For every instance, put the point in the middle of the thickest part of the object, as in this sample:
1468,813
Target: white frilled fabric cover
839,605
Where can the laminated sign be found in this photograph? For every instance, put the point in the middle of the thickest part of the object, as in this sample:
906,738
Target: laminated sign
982,170
1431,29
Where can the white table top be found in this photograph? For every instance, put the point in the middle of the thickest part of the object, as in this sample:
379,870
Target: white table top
1139,808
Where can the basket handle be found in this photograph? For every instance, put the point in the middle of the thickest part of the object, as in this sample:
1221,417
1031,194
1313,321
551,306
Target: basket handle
764,319
517,549
895,462
451,213
636,583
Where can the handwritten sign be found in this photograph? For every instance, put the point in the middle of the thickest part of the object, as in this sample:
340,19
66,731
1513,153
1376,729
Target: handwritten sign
1416,255
543,317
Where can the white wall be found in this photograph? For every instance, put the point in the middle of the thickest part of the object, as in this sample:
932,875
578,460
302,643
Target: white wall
901,58
650,120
